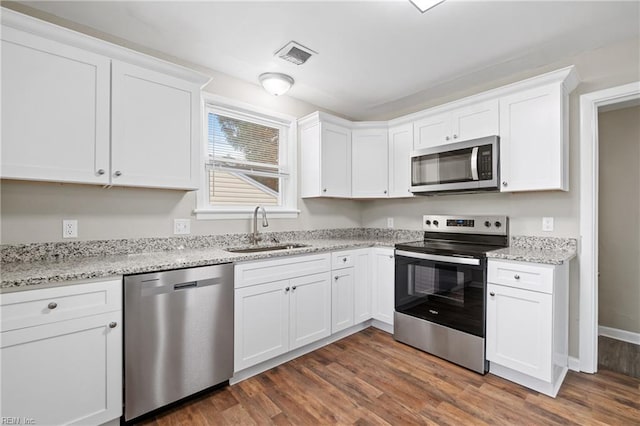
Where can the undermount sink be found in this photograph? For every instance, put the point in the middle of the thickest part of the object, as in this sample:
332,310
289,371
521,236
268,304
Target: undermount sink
257,249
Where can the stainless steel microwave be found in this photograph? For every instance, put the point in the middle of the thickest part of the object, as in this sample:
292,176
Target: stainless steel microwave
467,166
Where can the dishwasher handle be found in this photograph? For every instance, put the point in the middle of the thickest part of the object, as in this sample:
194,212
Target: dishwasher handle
184,286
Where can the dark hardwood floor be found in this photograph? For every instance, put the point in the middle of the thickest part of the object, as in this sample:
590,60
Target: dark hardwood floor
368,378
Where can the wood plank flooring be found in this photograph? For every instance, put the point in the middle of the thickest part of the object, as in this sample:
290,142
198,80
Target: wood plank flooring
368,378
619,356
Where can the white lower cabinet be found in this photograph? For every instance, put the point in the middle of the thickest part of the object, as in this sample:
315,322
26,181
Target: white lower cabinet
383,284
362,285
60,365
527,323
342,299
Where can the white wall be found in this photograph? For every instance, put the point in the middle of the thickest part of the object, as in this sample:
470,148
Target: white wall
619,219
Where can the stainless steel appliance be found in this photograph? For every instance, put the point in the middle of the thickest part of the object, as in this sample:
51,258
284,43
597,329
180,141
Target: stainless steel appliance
467,166
178,335
440,287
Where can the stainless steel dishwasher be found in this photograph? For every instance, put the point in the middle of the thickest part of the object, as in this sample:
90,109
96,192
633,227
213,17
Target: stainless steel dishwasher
178,335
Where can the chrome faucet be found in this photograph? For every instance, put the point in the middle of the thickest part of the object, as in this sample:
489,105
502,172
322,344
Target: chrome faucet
255,238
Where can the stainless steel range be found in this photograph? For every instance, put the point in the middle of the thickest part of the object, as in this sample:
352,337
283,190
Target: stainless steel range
440,287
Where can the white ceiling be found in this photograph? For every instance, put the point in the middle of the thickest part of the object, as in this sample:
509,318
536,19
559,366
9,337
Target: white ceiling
371,53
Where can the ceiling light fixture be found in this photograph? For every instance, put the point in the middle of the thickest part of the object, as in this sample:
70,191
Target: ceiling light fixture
276,83
424,5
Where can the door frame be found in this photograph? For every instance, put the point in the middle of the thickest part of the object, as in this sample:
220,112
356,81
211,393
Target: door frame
589,105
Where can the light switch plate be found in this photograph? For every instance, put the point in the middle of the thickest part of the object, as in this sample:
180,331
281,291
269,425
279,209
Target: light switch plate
181,226
547,224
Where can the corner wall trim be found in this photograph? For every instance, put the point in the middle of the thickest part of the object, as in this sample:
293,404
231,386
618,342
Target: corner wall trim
574,364
614,333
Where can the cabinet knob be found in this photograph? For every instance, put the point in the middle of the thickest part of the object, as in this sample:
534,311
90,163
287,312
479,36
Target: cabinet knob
117,173
446,138
492,294
390,256
516,276
504,183
52,305
324,190
344,259
455,136
293,288
286,289
113,324
409,190
385,191
100,172
336,278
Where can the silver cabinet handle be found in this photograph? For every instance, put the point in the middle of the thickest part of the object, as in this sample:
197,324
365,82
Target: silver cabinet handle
390,256
455,136
52,305
324,190
100,172
504,183
336,278
293,288
344,259
492,294
117,173
446,138
113,324
516,276
385,191
286,289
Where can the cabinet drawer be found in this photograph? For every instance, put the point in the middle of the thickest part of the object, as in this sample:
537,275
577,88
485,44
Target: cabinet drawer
535,277
49,305
266,271
342,259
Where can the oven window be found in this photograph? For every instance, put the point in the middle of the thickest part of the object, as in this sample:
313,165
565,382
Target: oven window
446,167
448,294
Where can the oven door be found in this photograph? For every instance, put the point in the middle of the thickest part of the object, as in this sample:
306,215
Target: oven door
446,290
464,166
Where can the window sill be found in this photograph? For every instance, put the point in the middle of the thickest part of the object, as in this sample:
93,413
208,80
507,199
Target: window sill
239,213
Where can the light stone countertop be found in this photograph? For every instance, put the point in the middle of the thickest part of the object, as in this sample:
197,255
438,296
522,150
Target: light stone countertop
47,273
532,255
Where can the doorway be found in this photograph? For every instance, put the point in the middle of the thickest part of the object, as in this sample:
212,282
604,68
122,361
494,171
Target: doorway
590,105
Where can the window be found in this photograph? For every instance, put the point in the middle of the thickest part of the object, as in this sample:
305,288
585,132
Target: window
249,161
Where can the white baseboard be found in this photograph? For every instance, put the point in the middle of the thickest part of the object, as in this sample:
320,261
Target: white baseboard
574,363
614,333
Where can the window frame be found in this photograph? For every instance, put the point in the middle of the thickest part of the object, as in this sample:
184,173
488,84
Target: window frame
288,157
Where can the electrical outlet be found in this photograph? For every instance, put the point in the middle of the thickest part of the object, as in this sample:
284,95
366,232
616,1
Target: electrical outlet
181,226
389,222
69,228
547,224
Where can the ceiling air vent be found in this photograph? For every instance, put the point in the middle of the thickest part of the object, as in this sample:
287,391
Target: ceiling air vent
295,53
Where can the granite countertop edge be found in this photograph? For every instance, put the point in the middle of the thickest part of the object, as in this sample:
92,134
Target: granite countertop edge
533,255
41,274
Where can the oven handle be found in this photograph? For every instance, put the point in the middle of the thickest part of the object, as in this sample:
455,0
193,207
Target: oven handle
439,258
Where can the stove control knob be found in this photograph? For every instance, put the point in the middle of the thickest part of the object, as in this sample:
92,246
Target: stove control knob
435,223
487,224
427,222
498,224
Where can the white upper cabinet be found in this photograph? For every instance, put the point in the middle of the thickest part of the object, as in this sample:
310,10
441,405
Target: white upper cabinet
534,140
464,123
155,119
325,157
400,146
55,110
369,162
78,109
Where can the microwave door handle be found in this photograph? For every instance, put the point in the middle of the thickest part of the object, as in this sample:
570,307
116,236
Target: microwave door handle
474,163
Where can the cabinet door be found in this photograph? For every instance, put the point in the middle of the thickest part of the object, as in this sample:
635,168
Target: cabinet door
336,161
310,161
475,121
432,131
370,162
261,323
64,373
310,309
384,282
342,292
55,111
519,334
362,286
155,124
400,146
533,146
